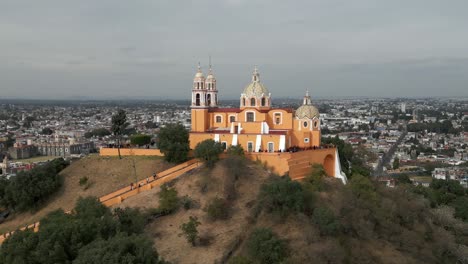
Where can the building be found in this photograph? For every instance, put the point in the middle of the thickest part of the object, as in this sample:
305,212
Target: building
22,151
64,149
259,127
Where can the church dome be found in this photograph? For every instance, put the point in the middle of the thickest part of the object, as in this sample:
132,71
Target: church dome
255,88
199,74
307,111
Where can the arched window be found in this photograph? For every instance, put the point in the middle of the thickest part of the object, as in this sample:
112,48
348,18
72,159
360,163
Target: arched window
263,101
218,119
208,99
252,102
232,119
197,99
243,101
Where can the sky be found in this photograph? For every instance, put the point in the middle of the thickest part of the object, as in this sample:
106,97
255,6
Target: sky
117,49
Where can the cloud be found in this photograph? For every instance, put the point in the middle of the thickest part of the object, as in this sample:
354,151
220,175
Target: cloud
335,47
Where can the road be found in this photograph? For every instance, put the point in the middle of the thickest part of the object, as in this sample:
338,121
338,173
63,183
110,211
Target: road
388,156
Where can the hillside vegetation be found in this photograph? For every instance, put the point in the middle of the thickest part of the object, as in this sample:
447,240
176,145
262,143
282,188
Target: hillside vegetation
237,212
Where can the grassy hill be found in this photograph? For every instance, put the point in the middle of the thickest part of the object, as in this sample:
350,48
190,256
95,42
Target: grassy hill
361,222
248,215
105,174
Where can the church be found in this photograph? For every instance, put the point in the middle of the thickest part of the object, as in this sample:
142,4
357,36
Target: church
262,130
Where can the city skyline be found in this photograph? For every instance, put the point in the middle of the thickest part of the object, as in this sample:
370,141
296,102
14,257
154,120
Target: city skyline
123,50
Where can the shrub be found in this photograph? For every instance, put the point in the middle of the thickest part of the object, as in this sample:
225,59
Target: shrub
265,247
282,196
190,230
83,180
187,202
326,221
315,180
240,260
168,200
461,208
217,209
363,189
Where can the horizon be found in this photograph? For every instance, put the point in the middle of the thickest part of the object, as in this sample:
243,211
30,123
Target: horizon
118,49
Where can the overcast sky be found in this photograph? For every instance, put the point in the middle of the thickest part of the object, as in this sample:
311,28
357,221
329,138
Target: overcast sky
150,48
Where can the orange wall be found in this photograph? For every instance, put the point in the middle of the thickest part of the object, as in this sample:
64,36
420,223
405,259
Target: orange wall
129,152
277,161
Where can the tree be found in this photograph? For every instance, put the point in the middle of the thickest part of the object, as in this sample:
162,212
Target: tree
47,131
236,150
91,234
140,139
119,123
29,189
264,246
326,221
168,200
217,209
208,150
281,195
122,248
396,163
174,142
190,230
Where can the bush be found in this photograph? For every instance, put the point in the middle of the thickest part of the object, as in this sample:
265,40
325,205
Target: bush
326,221
265,247
190,230
240,260
363,189
187,202
217,209
83,180
168,200
461,208
208,150
282,196
315,180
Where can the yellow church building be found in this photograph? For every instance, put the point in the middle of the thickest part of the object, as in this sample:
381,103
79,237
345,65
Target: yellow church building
267,133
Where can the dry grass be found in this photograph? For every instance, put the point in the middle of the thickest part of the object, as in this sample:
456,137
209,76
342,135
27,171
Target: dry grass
165,230
105,174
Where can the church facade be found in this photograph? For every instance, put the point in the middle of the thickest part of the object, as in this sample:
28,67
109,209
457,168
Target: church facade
255,125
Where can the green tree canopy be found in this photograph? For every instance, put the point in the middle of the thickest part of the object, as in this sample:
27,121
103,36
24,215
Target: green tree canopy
119,124
174,142
140,139
208,150
29,189
265,247
91,234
